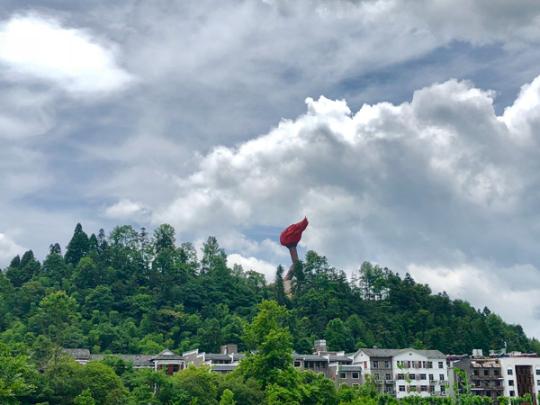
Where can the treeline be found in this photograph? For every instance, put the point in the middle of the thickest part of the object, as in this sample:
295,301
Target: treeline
265,376
131,292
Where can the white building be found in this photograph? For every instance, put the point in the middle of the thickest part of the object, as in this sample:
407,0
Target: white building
404,372
521,374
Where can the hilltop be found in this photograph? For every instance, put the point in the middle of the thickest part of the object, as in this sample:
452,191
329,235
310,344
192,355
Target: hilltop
131,292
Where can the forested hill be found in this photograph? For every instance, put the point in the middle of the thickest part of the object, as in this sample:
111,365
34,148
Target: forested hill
131,292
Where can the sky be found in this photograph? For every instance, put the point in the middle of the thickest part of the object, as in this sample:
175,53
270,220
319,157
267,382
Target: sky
406,131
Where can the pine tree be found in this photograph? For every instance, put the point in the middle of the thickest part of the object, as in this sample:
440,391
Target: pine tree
78,246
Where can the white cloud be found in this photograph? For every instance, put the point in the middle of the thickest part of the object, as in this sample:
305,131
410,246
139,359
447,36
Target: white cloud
33,46
126,209
252,263
8,249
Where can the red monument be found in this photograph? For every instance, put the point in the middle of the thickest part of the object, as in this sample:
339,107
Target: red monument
290,238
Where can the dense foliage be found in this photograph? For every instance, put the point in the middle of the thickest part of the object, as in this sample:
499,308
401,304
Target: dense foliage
135,293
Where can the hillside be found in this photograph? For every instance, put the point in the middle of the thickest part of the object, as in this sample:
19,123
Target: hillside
131,292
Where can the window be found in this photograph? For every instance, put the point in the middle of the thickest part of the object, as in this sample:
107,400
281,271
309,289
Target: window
388,376
412,376
365,364
510,371
538,371
342,375
538,382
496,372
511,383
429,364
375,364
486,372
441,364
423,364
431,377
400,363
355,375
386,364
412,388
443,389
423,388
512,394
297,364
422,376
402,388
432,389
441,377
400,377
475,372
408,364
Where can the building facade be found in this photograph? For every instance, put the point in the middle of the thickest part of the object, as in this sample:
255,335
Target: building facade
404,372
511,375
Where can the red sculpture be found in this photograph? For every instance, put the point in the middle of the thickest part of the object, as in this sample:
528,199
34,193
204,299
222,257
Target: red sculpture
293,233
290,238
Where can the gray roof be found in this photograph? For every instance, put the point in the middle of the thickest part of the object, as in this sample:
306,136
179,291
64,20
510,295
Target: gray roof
309,357
138,360
167,355
78,354
217,356
430,354
341,359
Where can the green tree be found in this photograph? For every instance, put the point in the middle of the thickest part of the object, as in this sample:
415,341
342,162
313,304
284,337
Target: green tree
106,387
17,376
227,398
84,398
338,336
77,247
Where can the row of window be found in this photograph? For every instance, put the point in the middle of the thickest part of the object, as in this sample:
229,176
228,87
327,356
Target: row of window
420,388
496,372
354,375
415,364
420,377
510,371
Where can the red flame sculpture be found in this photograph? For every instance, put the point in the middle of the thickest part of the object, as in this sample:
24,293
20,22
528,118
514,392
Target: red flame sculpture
293,233
290,238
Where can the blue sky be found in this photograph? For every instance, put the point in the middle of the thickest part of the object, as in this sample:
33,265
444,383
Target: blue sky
405,130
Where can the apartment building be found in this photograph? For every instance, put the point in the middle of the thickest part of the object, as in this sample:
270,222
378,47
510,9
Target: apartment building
501,374
404,372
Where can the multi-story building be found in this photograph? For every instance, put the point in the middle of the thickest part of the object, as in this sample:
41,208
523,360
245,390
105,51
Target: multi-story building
335,365
500,374
483,375
403,372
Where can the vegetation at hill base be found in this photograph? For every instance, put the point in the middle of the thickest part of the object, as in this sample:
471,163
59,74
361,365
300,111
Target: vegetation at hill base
131,292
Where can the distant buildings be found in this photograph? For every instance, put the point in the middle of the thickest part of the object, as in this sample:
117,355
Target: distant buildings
397,372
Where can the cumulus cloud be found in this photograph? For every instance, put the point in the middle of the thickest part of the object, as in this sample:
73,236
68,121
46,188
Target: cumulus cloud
125,210
33,46
8,249
253,263
439,179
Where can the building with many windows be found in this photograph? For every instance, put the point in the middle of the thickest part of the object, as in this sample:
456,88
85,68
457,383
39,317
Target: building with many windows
511,375
404,372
